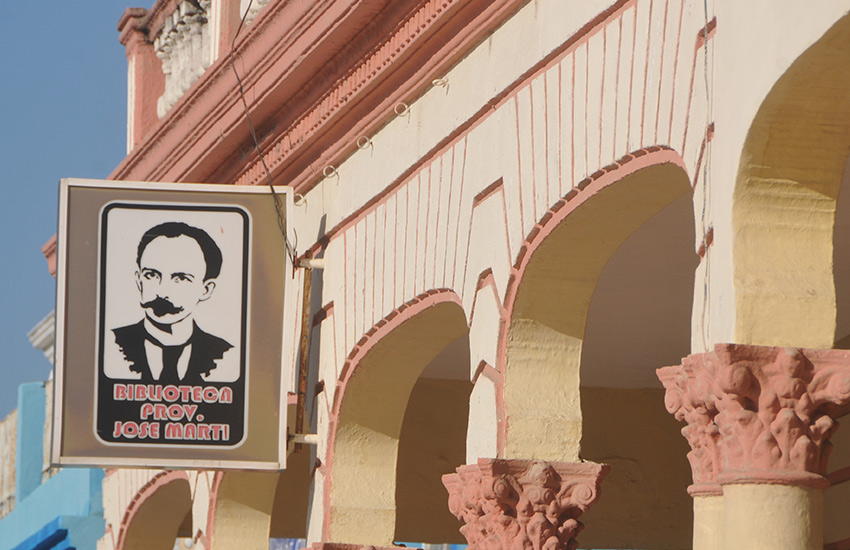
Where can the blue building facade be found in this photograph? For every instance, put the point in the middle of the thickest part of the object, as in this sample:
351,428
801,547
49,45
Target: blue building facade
58,512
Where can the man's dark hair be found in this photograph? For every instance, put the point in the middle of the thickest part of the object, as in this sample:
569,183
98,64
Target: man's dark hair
211,251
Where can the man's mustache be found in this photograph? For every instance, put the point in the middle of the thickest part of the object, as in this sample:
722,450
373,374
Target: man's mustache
161,306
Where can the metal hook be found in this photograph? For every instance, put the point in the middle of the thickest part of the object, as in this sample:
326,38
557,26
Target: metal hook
329,171
401,109
298,199
364,142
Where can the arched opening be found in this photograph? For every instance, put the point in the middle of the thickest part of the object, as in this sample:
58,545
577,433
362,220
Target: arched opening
556,284
382,417
603,301
433,443
159,515
639,320
785,199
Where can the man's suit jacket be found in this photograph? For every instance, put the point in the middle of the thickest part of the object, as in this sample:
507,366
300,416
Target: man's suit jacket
206,350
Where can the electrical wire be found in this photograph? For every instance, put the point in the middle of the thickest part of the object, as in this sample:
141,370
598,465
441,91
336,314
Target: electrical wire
278,202
706,193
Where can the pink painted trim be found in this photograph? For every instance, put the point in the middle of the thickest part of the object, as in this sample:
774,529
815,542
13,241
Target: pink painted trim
49,251
486,278
706,33
675,74
706,139
707,241
379,330
326,311
709,31
484,369
144,493
488,191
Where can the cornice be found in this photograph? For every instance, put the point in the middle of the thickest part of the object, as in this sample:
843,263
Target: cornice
399,68
277,53
375,54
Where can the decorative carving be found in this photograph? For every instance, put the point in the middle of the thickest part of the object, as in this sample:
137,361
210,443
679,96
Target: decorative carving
184,48
758,414
523,504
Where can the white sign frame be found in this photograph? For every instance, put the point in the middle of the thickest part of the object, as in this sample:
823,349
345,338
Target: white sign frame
73,342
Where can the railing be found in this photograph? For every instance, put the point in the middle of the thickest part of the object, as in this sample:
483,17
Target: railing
184,47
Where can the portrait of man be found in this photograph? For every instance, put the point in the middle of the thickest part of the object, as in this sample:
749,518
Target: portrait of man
173,309
176,270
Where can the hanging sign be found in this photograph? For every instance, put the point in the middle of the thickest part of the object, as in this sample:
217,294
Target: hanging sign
172,306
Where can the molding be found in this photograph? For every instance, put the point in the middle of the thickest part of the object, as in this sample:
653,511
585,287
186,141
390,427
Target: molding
204,136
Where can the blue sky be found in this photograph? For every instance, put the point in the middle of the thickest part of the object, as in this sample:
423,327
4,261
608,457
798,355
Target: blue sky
62,114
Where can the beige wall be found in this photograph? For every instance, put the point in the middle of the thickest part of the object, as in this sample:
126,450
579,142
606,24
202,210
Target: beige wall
644,502
433,443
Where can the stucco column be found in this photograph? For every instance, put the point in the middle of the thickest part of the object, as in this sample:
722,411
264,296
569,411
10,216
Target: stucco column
509,503
758,423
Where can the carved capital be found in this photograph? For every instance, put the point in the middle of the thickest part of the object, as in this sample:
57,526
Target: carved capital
523,504
758,414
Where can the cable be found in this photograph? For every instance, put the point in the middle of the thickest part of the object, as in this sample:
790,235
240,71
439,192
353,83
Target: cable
278,203
706,193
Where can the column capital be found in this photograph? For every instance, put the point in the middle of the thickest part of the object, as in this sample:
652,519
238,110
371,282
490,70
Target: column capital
507,503
758,414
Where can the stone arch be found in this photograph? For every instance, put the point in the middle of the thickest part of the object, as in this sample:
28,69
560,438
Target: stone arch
788,181
368,416
154,517
551,290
